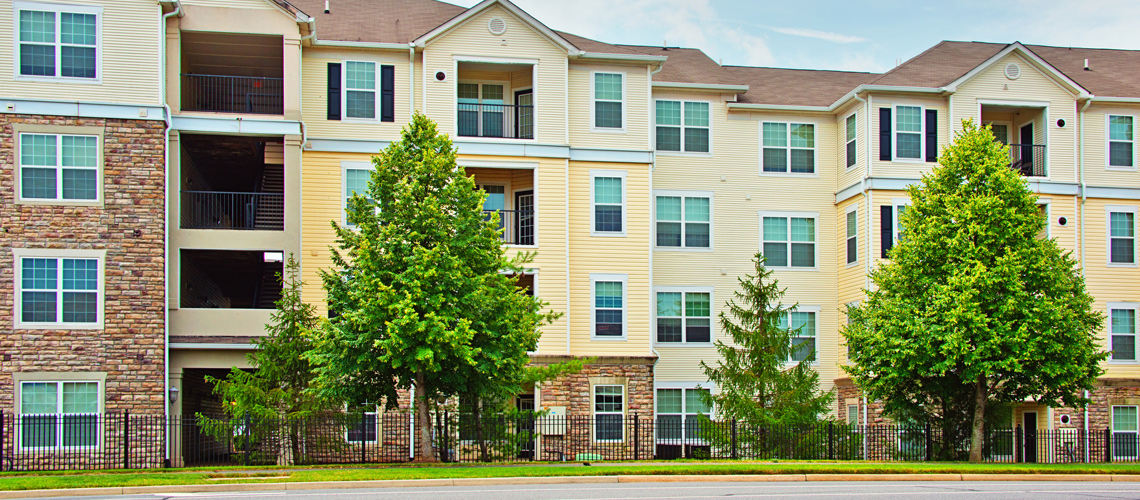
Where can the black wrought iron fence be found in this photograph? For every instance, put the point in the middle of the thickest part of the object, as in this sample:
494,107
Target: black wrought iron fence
226,210
124,441
507,121
233,94
1028,159
517,225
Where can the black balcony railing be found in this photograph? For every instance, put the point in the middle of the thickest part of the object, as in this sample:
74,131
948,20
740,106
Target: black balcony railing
232,94
1029,159
224,210
496,120
517,226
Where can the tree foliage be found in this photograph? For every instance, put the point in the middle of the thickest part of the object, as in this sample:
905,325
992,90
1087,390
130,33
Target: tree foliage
422,288
757,383
972,306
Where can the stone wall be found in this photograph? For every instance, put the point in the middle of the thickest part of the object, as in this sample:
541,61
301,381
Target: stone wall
130,227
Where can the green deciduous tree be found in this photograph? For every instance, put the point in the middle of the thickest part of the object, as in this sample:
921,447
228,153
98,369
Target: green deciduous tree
423,290
757,382
972,304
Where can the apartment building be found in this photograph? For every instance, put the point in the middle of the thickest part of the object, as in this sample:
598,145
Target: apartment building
644,178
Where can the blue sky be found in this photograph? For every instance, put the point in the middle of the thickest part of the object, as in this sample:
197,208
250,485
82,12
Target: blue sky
871,35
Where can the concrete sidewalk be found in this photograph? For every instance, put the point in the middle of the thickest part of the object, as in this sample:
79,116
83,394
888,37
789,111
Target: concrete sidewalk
409,483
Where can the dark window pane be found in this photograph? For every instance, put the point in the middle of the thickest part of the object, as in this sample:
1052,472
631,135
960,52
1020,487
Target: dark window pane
697,235
668,234
851,154
668,138
775,160
468,119
852,250
493,120
698,333
804,349
362,428
668,427
77,62
607,218
80,307
38,307
1120,154
607,114
776,254
1124,444
697,140
608,322
38,431
37,60
80,430
79,184
803,161
37,182
668,329
1124,347
1123,251
803,255
608,427
692,427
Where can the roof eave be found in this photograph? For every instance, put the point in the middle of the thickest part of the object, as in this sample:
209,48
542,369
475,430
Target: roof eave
621,57
1056,74
777,107
701,86
361,45
422,40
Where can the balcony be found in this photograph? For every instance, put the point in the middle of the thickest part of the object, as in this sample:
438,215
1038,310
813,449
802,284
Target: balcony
517,226
495,100
232,183
232,73
510,194
1028,159
503,121
227,279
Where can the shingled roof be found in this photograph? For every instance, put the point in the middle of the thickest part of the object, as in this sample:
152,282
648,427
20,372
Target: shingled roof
377,21
796,87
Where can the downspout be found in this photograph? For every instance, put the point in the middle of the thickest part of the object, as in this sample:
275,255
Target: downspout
1084,198
169,120
867,199
652,167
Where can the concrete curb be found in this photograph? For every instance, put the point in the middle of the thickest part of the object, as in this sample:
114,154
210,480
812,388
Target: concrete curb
493,481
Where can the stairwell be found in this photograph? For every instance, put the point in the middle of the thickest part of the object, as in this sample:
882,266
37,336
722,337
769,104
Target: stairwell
269,211
268,287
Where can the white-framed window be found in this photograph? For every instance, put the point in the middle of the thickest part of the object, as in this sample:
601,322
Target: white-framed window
850,128
909,130
609,413
609,101
683,219
847,312
55,41
851,219
1121,145
803,321
788,239
59,288
607,199
1125,431
1122,331
900,205
59,167
482,110
1043,207
1121,235
683,126
853,415
360,90
678,413
684,315
354,180
59,414
788,148
608,314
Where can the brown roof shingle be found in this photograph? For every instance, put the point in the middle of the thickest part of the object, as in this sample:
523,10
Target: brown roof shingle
940,64
796,87
382,21
1112,72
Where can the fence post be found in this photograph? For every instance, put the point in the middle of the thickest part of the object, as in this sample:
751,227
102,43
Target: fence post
929,443
830,440
126,439
734,452
2,440
363,434
1017,444
637,437
248,434
1107,445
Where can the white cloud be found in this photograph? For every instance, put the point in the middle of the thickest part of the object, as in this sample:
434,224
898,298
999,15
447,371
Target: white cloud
821,35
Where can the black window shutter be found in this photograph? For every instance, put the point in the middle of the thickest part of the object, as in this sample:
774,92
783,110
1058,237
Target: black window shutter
931,135
885,134
387,93
888,228
334,91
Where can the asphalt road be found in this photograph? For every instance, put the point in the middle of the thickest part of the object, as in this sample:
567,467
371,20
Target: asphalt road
637,491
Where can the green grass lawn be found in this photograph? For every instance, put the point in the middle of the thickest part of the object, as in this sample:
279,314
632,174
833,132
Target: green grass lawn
44,480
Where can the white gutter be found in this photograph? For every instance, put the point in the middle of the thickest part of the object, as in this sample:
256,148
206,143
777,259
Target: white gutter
778,107
166,403
1114,99
621,57
843,100
360,45
700,86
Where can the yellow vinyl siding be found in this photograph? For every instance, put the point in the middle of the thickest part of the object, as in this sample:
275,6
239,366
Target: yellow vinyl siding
1108,284
908,169
852,278
847,177
637,113
314,95
1033,85
472,39
127,58
1097,172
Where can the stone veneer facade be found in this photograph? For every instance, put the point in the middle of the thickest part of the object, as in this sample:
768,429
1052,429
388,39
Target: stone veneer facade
130,227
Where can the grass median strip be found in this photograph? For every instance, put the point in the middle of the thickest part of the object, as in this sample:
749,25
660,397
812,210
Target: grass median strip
29,481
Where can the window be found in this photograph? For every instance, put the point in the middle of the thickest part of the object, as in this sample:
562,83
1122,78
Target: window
482,110
853,415
608,193
1001,133
851,133
788,147
1121,235
59,167
802,324
609,410
683,126
355,182
678,413
360,90
609,305
1044,210
58,41
362,427
852,236
1122,331
1124,431
1120,141
908,132
609,98
789,240
59,414
684,316
900,205
684,221
59,290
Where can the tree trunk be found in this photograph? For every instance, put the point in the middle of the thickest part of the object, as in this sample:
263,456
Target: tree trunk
427,451
980,396
477,413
